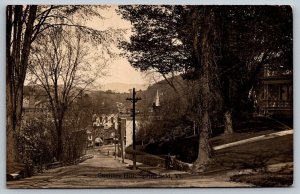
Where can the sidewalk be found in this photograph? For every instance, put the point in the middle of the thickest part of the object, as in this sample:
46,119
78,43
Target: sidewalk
255,139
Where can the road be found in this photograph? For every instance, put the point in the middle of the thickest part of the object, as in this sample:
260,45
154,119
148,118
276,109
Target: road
103,171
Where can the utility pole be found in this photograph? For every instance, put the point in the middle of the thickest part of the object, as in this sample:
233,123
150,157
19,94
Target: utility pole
121,139
115,141
134,100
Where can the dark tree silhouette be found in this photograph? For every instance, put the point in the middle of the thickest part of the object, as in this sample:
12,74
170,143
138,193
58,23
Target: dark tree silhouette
223,48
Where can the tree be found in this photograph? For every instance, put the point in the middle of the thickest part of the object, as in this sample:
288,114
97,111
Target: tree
159,46
204,23
19,32
81,111
208,44
155,44
64,67
243,53
23,25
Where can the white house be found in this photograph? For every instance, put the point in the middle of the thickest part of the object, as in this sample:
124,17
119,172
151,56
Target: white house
127,129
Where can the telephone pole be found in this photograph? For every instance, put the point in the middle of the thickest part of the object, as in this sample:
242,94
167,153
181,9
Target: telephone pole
134,100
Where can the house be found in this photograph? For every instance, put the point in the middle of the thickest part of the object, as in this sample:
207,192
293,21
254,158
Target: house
34,107
276,94
105,120
102,131
126,123
97,136
126,128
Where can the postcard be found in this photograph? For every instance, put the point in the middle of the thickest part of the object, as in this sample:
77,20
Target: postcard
127,96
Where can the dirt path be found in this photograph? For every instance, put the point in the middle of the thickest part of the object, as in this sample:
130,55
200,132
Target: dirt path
104,171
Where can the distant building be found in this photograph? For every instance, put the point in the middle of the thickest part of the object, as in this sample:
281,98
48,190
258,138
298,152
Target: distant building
276,94
34,107
126,122
105,120
125,127
102,131
97,136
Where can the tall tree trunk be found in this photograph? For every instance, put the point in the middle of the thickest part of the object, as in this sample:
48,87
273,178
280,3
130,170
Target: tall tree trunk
206,61
14,101
204,151
60,135
228,122
11,146
19,22
59,151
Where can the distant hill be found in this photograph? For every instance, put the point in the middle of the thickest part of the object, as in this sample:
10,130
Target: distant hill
123,87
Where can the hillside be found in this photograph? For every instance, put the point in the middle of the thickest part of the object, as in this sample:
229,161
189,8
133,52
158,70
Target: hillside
123,87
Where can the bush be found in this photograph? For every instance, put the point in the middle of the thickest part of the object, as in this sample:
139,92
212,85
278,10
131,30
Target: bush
265,179
36,146
74,145
185,149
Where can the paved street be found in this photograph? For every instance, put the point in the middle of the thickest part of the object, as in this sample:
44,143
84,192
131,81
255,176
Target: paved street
104,171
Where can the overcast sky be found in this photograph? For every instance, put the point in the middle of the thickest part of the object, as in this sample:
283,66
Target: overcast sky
120,70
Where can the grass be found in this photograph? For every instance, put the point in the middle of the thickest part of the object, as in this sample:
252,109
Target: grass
257,154
186,148
265,179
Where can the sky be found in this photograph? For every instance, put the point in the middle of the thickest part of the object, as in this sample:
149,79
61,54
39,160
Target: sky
119,70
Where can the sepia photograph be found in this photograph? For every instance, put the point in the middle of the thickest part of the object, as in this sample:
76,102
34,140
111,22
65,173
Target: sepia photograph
149,96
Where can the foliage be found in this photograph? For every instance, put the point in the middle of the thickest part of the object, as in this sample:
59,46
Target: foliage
244,53
164,32
265,179
223,48
24,25
61,63
155,43
74,144
36,144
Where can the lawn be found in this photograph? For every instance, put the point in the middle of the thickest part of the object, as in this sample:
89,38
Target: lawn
265,179
257,154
